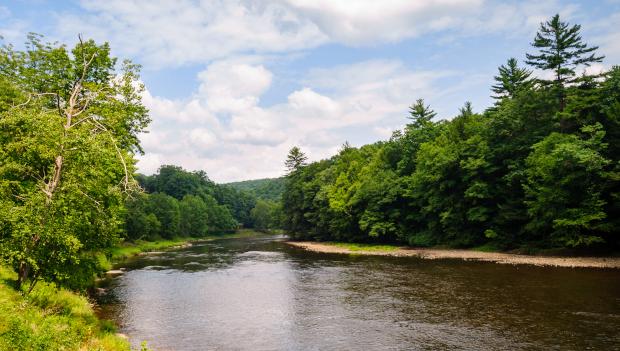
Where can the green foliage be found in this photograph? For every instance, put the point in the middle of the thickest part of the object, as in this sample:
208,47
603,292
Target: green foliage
295,159
565,179
420,114
528,172
158,215
227,207
194,220
166,209
69,121
238,202
51,319
264,189
266,215
219,218
140,223
365,247
511,80
561,50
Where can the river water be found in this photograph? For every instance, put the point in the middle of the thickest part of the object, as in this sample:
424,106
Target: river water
261,294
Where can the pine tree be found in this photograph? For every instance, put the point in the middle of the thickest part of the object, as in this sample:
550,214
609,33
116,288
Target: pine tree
511,79
420,114
467,110
295,159
562,51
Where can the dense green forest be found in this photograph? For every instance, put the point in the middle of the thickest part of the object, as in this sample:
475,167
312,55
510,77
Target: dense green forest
265,189
539,168
180,203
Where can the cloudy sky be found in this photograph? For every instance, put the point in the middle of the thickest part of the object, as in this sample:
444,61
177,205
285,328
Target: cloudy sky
233,85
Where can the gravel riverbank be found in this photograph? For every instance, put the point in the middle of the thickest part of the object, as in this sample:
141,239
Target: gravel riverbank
502,258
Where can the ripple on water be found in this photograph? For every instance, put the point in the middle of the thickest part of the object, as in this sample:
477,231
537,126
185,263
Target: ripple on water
247,294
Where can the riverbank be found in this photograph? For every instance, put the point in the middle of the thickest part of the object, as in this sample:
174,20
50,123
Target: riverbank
468,255
51,319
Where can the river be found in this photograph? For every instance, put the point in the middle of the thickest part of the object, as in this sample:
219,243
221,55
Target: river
261,294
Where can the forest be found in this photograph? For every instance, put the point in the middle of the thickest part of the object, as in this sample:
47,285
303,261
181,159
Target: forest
179,203
537,169
265,189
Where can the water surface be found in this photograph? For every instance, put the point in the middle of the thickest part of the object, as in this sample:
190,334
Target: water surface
260,294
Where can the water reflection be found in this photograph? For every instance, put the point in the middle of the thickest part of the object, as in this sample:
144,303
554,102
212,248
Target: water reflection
259,294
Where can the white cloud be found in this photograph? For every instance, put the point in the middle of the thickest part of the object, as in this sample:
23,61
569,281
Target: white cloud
368,21
230,87
250,141
174,33
202,138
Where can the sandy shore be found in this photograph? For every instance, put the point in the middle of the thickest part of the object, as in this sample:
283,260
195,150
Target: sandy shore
502,258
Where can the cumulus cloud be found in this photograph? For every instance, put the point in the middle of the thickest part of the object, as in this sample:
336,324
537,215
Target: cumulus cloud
174,33
367,21
230,87
247,140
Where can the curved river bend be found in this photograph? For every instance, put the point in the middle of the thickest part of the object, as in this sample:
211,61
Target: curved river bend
261,294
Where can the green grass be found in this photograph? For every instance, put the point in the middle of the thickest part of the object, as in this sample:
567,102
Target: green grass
488,247
364,247
51,319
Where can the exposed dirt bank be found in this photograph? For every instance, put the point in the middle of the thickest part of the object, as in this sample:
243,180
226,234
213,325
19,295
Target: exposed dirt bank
503,258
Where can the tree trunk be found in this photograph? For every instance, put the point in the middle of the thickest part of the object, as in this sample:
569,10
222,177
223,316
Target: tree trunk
22,274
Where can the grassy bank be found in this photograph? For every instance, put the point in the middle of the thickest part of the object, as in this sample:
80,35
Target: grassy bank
51,319
354,247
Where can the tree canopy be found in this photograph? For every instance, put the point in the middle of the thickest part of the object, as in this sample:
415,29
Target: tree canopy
69,120
528,172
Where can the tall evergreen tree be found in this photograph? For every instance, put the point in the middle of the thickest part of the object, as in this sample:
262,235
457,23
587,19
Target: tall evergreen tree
511,79
561,50
420,114
467,110
295,159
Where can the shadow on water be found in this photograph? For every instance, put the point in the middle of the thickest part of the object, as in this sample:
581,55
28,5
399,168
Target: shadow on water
260,294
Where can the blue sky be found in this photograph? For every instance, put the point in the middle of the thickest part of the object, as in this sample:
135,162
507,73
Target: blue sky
232,85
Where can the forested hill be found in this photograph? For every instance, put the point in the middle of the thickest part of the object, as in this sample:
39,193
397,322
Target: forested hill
177,202
265,189
538,169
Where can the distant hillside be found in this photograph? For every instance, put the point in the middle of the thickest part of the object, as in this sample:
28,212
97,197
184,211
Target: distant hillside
266,189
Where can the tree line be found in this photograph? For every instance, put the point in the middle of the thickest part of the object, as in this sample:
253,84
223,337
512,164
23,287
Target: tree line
538,169
179,203
265,189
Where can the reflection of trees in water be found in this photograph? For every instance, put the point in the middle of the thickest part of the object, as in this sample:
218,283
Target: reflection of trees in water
277,295
449,304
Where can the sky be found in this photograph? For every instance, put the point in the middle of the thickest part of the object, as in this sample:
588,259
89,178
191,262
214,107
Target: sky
231,86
